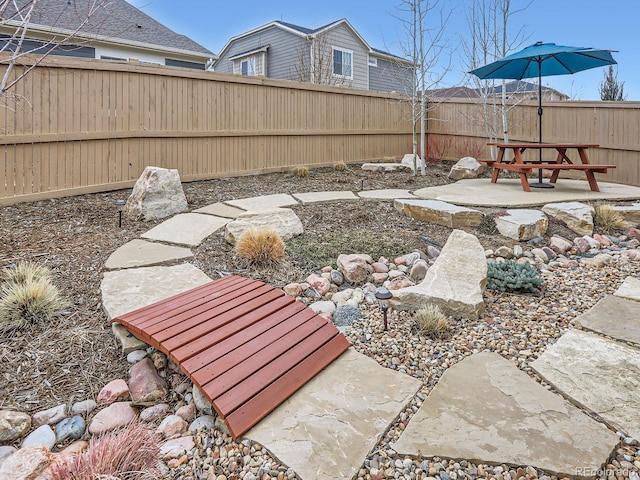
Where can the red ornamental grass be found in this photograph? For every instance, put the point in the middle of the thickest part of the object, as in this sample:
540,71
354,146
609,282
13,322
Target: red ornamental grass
131,453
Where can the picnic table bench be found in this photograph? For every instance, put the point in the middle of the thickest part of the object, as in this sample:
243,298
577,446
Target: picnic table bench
562,161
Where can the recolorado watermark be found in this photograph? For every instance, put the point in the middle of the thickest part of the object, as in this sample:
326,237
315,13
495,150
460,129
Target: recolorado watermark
601,472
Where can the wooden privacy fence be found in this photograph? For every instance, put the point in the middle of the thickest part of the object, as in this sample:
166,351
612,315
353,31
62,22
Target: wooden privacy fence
456,127
90,125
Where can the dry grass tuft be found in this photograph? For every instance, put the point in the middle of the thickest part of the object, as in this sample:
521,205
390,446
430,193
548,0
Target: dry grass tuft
340,166
388,159
25,272
300,171
607,220
131,453
431,321
260,246
28,297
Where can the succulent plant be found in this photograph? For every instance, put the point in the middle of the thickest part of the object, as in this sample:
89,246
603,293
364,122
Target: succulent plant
511,276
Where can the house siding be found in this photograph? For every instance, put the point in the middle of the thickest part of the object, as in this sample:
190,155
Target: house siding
389,76
282,55
343,38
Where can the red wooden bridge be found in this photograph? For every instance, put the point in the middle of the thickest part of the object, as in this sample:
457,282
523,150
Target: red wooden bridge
247,345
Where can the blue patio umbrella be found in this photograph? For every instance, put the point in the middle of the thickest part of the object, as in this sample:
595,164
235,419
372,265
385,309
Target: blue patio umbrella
543,60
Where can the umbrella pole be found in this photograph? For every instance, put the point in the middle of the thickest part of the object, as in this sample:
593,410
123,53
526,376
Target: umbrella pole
540,183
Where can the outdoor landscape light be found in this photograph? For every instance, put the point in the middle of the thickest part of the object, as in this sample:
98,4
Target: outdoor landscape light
383,296
120,204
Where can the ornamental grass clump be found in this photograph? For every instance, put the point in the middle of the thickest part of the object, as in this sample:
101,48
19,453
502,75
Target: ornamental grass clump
300,171
608,220
131,453
28,297
260,246
511,276
340,166
431,321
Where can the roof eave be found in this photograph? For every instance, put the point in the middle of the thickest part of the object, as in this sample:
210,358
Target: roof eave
256,30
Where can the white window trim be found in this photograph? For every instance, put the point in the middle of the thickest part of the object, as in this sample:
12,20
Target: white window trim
344,50
373,62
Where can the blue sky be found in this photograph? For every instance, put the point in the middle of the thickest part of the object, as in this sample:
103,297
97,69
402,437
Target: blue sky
585,23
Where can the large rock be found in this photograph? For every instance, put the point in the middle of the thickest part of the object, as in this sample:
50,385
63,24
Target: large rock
26,464
484,408
284,221
455,282
114,416
438,212
13,425
466,167
145,384
157,194
353,267
631,213
522,224
575,215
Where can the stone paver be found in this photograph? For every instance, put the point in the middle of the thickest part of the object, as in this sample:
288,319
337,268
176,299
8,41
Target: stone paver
327,428
386,194
614,317
283,221
485,409
127,290
438,212
264,202
314,197
140,253
522,224
630,288
598,374
188,229
508,192
220,210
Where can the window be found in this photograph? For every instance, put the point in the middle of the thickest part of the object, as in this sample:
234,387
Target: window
342,61
251,63
108,57
373,62
248,67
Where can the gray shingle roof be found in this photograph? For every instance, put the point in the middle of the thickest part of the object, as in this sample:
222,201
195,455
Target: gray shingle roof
115,19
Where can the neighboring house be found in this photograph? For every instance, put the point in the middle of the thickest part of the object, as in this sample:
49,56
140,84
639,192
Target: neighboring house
334,54
103,29
527,91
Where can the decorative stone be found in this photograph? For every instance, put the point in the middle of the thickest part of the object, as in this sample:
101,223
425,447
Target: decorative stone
85,406
441,213
6,451
400,282
345,315
187,412
522,225
201,401
560,244
283,221
126,339
204,422
385,167
145,384
136,356
114,391
466,167
336,277
494,413
177,447
323,306
504,252
319,283
455,282
114,416
293,289
75,448
353,267
26,464
575,215
631,213
49,416
154,412
157,194
70,428
13,425
597,261
581,244
42,436
172,425
419,271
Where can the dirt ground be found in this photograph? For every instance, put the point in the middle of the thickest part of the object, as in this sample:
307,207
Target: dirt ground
73,357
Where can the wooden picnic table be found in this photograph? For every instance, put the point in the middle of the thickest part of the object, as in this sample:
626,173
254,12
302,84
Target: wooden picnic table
562,161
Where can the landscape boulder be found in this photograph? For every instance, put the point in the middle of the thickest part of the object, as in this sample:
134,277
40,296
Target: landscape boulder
522,224
455,282
466,167
353,267
157,194
577,216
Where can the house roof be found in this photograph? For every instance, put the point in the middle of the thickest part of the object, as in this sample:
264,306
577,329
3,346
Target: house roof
453,92
113,21
520,86
304,32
